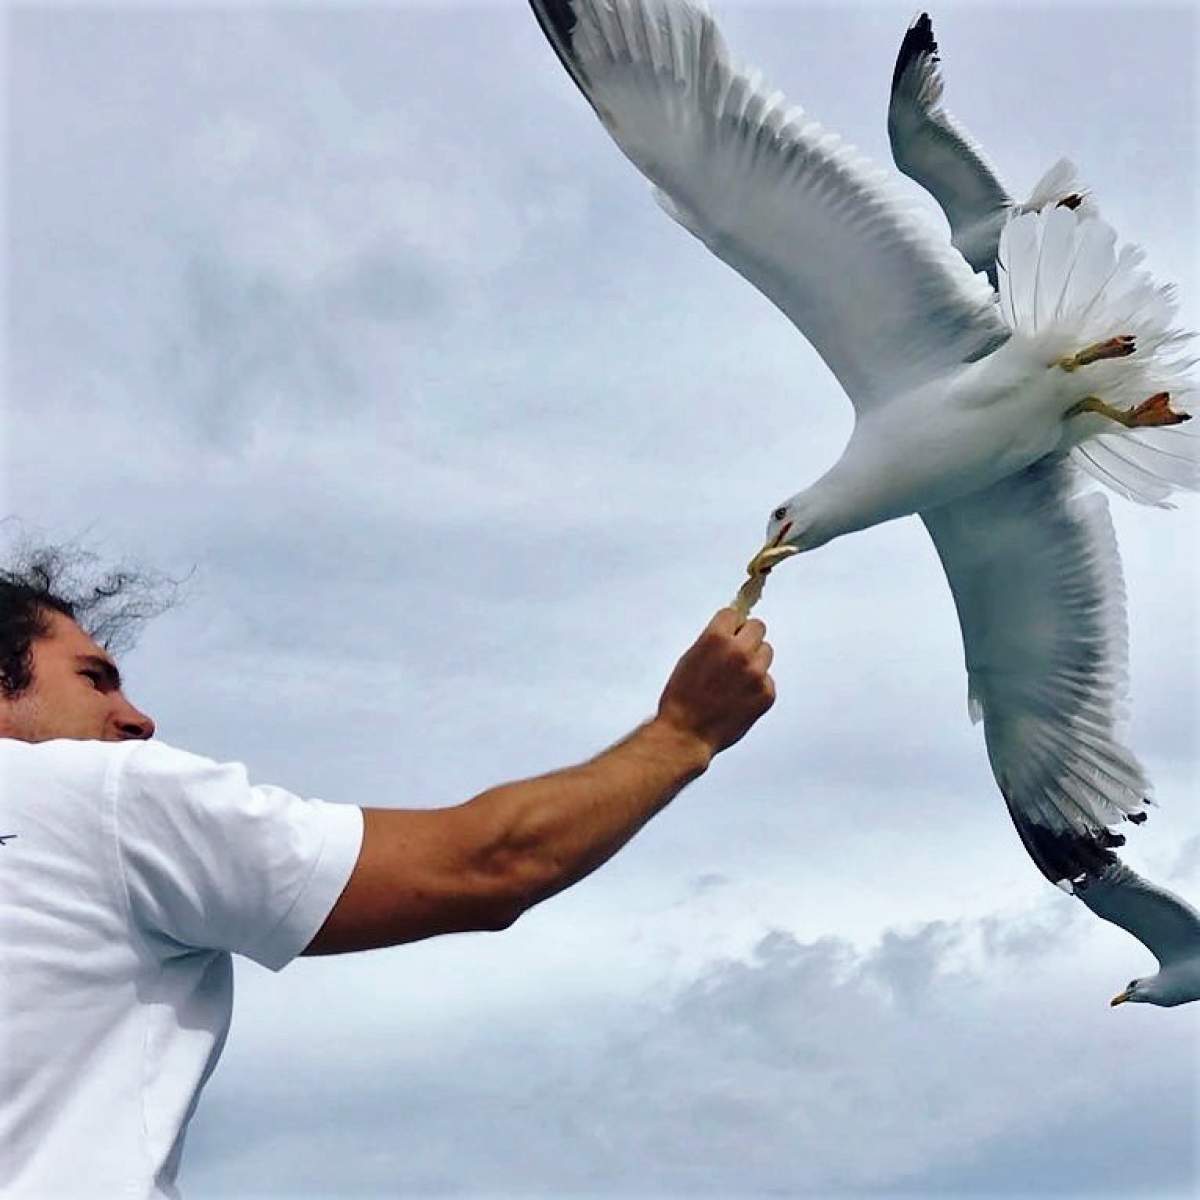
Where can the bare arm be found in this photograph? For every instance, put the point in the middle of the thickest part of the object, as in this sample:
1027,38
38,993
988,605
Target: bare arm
481,864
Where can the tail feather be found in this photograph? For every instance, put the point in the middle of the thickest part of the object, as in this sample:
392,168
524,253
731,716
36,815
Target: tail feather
1063,286
1017,264
1093,265
1051,274
1141,467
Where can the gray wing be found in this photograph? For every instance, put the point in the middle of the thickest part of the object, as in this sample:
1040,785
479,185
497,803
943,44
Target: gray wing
1166,925
789,206
930,146
1037,583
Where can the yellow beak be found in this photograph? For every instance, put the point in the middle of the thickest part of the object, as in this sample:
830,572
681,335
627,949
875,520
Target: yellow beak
773,553
1118,999
769,557
756,573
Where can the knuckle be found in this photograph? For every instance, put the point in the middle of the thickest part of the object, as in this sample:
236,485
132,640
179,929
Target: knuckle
733,658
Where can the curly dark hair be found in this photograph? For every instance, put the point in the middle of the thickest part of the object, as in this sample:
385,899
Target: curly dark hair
109,605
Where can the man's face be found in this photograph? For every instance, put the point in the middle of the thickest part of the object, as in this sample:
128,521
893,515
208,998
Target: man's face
75,693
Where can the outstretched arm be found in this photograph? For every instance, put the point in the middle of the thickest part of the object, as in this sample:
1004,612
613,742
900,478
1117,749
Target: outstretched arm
481,864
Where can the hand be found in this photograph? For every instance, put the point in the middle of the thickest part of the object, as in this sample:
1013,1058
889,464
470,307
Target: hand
720,687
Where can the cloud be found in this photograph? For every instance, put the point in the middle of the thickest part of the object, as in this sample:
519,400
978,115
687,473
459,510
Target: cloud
1187,864
947,1059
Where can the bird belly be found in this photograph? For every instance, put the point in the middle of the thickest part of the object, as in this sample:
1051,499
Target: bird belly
914,456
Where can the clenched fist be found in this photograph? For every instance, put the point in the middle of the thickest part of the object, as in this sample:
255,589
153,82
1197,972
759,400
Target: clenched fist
720,687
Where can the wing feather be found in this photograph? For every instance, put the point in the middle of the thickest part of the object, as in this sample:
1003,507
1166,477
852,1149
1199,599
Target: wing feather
931,147
1036,578
1166,925
795,211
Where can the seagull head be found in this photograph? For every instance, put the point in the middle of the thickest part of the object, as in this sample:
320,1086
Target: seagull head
792,528
1177,984
1138,992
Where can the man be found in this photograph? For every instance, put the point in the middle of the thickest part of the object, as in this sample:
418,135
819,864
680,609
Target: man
130,871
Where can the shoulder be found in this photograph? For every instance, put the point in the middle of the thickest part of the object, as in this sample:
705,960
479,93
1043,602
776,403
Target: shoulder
66,763
92,767
156,772
158,760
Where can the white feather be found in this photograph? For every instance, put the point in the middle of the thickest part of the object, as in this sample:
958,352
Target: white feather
1037,582
1064,286
792,208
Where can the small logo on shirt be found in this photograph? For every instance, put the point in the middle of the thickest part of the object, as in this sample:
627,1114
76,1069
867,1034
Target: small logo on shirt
5,838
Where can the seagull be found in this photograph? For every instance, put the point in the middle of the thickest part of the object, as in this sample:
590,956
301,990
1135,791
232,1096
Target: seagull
933,148
985,412
1166,925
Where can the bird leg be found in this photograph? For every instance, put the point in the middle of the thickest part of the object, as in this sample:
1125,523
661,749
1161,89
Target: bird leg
1115,347
1150,413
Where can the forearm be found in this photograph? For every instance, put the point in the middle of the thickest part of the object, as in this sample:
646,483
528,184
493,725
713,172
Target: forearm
541,835
479,865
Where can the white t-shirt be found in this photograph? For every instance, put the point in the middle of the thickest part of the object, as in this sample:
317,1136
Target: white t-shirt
128,874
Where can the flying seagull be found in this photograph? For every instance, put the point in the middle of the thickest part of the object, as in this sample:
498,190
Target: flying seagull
931,147
982,414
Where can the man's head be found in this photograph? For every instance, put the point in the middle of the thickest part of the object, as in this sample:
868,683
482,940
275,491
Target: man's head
57,675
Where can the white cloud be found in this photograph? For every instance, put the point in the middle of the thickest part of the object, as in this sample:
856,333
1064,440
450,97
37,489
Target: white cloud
803,1068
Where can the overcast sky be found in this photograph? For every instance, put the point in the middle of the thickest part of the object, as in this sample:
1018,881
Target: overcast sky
359,313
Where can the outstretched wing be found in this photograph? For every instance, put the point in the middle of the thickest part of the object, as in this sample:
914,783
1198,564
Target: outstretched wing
1036,578
930,146
1166,925
793,209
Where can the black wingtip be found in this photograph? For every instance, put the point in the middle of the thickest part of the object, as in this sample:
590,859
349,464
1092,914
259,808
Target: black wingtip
557,19
1067,857
918,40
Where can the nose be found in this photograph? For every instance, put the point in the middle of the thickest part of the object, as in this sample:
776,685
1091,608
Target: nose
132,724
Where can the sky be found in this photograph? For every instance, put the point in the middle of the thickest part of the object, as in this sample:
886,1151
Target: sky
354,316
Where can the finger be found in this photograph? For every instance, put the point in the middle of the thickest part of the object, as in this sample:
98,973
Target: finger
763,657
750,636
725,622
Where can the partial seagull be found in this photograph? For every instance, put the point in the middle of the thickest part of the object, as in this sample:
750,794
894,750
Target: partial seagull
1166,925
931,147
979,415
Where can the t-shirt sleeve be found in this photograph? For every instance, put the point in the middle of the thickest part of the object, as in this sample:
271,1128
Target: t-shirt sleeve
212,862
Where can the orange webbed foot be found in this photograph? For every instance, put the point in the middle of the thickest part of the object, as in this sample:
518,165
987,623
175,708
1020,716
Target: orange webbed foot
1155,412
1114,347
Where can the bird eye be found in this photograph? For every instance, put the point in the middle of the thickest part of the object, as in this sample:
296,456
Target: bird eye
779,513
